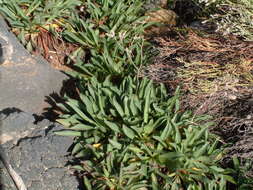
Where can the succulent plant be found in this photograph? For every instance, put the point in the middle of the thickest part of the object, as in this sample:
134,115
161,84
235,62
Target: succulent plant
113,34
133,135
29,17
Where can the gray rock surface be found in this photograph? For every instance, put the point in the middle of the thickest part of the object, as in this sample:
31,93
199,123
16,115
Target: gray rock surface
35,157
25,80
15,124
32,157
6,182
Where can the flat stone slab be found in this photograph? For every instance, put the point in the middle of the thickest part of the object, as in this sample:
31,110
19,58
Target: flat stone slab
34,158
25,80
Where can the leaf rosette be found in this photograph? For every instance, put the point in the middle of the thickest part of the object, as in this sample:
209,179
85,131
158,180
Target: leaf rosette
133,135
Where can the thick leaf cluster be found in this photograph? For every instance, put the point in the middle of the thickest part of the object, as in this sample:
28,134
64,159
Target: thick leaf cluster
113,33
28,17
133,135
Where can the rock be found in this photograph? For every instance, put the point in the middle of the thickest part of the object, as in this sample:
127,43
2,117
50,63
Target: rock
15,124
6,182
167,19
25,79
162,16
157,11
36,159
152,4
